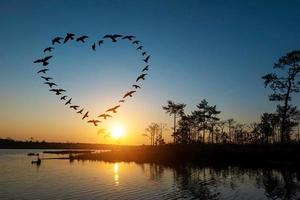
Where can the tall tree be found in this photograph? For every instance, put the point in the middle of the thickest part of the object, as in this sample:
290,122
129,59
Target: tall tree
184,129
152,131
175,109
230,124
283,86
265,126
206,118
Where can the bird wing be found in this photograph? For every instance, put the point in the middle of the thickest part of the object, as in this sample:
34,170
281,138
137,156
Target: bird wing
47,58
116,35
107,36
126,95
38,61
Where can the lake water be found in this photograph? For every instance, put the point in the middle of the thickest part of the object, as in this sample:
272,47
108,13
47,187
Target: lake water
61,179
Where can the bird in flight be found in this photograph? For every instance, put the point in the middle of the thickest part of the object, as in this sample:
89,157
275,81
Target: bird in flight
75,107
57,91
113,109
56,40
113,37
100,42
145,68
69,36
136,42
80,111
46,78
144,53
140,48
69,101
94,46
142,76
104,116
95,122
63,98
85,115
48,49
128,37
82,38
122,101
146,59
43,60
129,94
50,84
43,71
136,86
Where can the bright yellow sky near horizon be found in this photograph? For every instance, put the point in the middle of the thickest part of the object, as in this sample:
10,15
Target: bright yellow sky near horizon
52,121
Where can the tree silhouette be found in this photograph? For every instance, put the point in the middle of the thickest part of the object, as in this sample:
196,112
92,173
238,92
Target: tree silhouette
152,130
205,118
283,86
175,109
184,129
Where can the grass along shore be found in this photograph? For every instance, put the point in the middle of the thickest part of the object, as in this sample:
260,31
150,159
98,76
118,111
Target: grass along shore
199,153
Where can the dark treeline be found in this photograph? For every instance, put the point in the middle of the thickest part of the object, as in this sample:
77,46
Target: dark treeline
203,125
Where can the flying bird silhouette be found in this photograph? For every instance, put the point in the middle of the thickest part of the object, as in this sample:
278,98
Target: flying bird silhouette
113,109
75,107
145,68
57,91
104,116
95,122
113,37
100,42
43,71
128,37
85,115
122,101
46,78
136,42
94,46
140,48
69,36
43,60
82,38
80,111
129,94
50,84
136,86
69,101
146,59
56,40
63,98
48,49
142,76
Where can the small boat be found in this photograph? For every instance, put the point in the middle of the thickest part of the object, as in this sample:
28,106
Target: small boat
37,162
33,154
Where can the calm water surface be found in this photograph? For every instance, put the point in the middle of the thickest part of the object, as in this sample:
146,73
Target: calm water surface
61,179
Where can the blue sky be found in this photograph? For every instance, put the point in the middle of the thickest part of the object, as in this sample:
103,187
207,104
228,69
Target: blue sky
216,50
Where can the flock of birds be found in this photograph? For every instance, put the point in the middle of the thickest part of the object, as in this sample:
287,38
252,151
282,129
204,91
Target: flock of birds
82,39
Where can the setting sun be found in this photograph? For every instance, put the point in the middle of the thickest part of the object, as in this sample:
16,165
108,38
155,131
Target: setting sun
117,132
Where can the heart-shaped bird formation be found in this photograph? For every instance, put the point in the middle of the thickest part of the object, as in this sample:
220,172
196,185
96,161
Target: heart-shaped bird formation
82,39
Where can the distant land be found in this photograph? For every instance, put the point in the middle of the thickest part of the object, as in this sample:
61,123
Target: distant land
9,143
257,155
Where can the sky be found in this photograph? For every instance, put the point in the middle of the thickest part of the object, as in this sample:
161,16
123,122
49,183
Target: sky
217,50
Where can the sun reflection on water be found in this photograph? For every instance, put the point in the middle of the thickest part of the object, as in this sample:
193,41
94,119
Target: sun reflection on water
116,173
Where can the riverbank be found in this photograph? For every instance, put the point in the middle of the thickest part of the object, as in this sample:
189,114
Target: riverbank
274,155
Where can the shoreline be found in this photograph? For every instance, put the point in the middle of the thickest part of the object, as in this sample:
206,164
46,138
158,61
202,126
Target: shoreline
219,155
